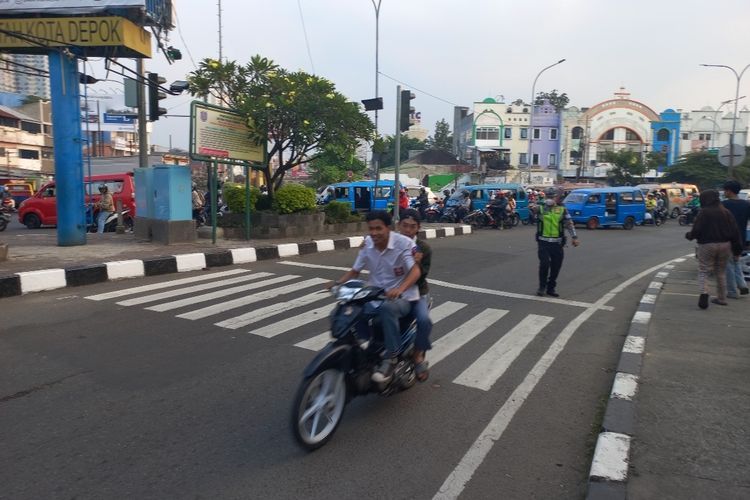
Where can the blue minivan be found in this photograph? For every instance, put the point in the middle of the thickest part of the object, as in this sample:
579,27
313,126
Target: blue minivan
605,207
481,194
359,194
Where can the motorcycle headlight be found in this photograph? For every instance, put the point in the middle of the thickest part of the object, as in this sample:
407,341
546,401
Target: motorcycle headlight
361,294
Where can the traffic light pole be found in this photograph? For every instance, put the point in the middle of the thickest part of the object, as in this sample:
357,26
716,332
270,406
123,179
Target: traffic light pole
142,133
396,183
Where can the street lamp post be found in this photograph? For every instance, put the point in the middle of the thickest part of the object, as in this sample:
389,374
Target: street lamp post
377,44
531,115
734,116
713,132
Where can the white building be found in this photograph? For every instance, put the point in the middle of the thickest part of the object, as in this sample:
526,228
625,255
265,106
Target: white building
16,75
708,128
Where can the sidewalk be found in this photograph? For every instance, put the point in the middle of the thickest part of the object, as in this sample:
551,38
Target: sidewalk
689,437
35,261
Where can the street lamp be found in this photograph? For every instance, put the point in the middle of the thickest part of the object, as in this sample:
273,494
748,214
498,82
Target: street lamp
377,43
713,132
531,115
734,116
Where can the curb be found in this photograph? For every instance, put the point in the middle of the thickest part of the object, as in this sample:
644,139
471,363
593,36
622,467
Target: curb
51,279
609,468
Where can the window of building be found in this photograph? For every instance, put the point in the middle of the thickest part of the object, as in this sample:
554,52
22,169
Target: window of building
662,135
609,135
535,159
28,154
537,133
685,137
552,134
522,159
708,137
577,133
524,133
506,158
631,136
508,133
701,137
552,160
488,133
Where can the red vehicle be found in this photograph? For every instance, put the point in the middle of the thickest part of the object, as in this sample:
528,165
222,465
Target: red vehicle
41,209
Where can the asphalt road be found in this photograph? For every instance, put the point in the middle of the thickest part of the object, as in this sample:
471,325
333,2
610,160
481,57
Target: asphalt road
107,400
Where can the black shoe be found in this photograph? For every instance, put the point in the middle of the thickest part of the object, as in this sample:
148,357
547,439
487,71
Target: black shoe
552,293
540,292
703,301
384,370
744,291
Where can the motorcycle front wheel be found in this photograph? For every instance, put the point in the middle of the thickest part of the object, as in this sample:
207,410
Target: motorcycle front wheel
3,224
318,408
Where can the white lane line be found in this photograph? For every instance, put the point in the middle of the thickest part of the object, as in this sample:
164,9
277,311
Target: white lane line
437,314
294,322
468,288
455,339
625,386
272,310
490,366
457,480
250,299
315,343
205,297
642,317
611,457
679,260
164,284
634,345
195,288
662,275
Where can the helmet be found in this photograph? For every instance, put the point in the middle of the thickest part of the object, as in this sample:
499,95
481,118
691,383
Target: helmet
102,188
552,193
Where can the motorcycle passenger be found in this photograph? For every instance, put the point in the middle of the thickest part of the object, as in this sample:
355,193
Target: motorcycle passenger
651,207
409,227
105,205
6,199
389,257
422,202
693,205
550,241
498,208
464,207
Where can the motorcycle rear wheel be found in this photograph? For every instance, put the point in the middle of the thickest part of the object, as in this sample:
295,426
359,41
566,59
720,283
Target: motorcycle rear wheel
318,408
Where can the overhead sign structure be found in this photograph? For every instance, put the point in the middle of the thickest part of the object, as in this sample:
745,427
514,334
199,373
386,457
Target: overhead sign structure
221,134
66,6
116,36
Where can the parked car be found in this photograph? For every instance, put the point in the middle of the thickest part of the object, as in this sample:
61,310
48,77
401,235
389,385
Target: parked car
41,209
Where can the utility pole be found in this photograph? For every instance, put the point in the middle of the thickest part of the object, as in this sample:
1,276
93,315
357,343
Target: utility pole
396,183
142,134
220,34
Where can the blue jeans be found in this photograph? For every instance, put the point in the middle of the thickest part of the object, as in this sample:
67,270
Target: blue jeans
388,314
101,219
735,278
424,323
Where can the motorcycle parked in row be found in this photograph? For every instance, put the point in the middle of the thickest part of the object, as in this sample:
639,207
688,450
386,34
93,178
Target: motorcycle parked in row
433,213
343,369
485,218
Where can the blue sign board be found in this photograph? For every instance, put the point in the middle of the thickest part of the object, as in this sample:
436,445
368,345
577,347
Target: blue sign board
119,119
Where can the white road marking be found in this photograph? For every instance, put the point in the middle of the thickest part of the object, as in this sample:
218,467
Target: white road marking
611,457
625,386
294,322
642,317
634,345
456,338
679,260
317,342
656,284
648,298
272,310
470,288
669,266
662,274
195,288
205,297
457,480
251,299
164,284
490,366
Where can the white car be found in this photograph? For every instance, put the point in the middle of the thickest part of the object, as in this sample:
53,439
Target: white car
744,194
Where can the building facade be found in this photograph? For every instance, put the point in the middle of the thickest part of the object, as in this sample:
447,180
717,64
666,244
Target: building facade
26,141
17,75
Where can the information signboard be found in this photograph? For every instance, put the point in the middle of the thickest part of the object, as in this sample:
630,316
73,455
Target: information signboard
66,6
219,133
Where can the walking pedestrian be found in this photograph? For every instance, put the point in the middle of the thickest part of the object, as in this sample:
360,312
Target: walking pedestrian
550,238
740,209
718,238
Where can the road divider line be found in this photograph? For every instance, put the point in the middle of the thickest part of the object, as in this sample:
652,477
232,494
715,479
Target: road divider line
164,284
490,366
251,299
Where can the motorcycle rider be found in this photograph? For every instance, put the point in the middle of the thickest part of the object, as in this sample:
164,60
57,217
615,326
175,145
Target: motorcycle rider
105,205
498,208
464,207
553,218
198,203
693,205
422,202
389,257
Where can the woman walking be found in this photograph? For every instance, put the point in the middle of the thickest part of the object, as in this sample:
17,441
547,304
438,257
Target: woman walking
718,239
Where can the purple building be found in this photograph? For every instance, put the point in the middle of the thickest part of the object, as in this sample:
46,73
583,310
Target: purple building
545,146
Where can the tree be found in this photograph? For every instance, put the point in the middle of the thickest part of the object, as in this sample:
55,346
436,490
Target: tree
332,166
389,149
300,114
559,101
704,170
628,167
442,140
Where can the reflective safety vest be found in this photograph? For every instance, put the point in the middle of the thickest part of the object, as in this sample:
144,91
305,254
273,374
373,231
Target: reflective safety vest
551,222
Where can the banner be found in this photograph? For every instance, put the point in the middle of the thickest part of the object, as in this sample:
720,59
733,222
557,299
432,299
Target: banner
65,6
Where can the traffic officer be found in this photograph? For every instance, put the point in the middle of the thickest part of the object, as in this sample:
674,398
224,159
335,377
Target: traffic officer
551,240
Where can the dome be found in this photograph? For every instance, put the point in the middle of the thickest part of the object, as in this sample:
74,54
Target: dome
489,100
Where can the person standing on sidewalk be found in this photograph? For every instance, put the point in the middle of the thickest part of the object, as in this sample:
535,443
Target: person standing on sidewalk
741,211
552,220
718,239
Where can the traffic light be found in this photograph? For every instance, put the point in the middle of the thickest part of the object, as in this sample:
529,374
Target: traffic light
373,104
404,121
154,96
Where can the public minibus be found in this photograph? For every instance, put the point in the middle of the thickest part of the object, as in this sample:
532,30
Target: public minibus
481,194
677,195
608,206
359,194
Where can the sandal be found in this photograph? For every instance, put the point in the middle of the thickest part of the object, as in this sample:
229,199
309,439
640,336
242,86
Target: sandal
719,302
422,370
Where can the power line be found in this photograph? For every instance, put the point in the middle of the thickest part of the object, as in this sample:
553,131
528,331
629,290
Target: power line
179,32
304,30
43,72
418,90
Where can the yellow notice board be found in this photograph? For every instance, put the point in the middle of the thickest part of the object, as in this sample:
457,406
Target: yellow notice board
221,134
26,35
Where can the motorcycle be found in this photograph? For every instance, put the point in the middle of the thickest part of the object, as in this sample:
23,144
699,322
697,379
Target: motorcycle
5,216
110,224
433,213
343,369
658,217
485,218
450,214
687,216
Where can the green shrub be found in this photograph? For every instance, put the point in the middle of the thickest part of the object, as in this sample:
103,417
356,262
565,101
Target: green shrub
292,198
234,197
337,212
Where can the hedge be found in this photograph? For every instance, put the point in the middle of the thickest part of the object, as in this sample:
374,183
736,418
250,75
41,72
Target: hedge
292,198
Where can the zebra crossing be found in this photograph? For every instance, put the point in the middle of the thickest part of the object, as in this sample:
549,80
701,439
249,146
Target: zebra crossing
233,300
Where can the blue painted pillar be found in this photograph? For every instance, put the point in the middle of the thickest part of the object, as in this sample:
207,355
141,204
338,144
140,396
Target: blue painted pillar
66,129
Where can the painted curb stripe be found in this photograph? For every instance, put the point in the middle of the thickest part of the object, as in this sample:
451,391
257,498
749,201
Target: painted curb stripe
641,317
355,241
625,386
218,259
634,345
648,298
159,265
125,269
46,279
243,255
656,284
325,245
190,262
287,250
450,231
78,276
430,234
267,253
610,457
10,286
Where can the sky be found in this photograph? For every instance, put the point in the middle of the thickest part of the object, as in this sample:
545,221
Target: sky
462,51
